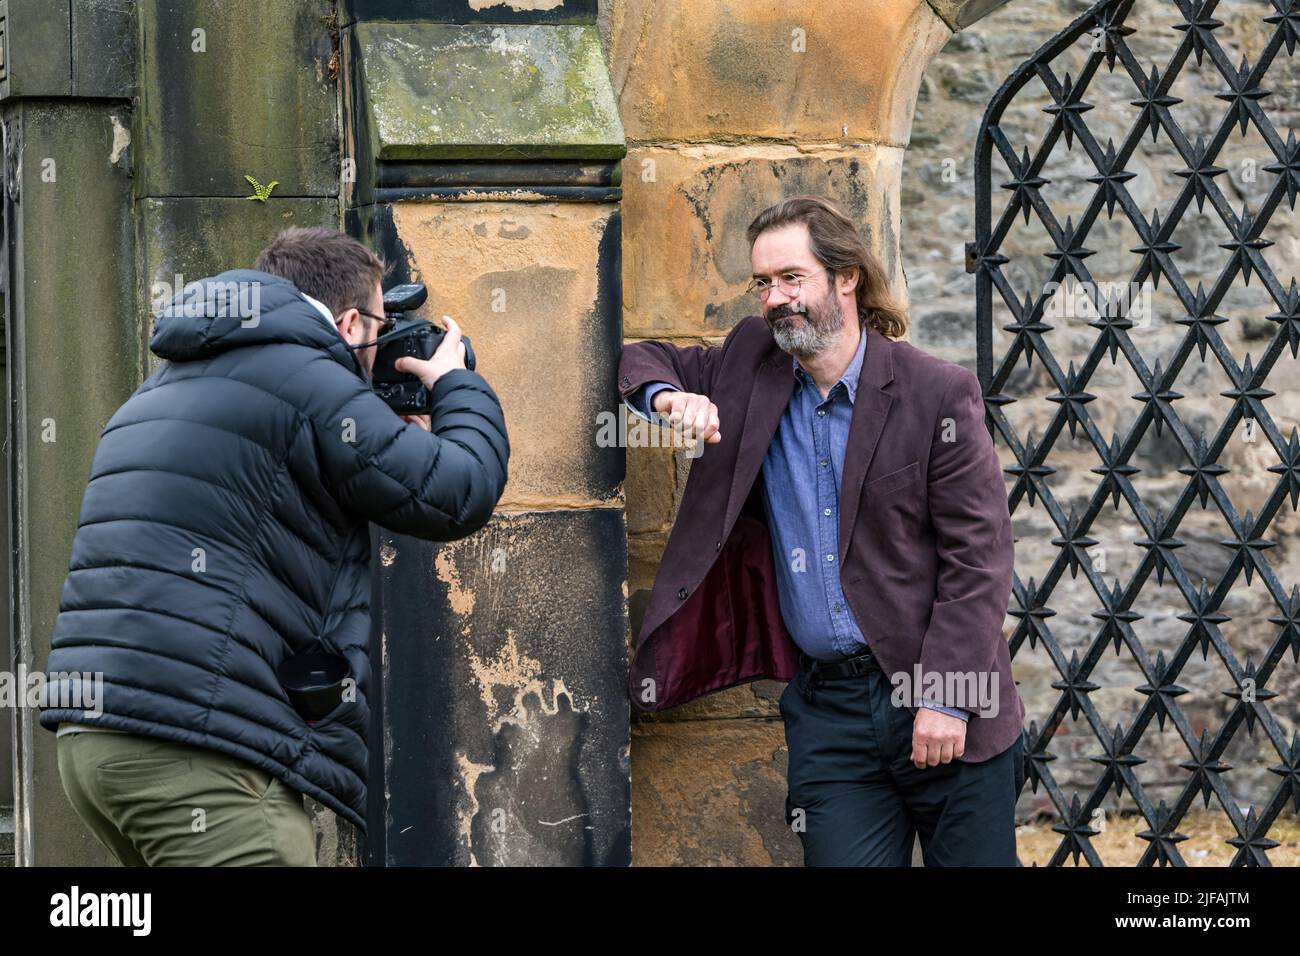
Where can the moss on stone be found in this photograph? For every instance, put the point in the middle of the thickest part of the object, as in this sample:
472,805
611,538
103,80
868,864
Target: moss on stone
491,91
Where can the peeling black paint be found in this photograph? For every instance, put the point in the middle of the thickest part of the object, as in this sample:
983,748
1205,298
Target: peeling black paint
520,823
611,464
554,787
374,226
518,173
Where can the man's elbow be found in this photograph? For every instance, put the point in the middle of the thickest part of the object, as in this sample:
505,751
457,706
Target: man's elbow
482,492
479,509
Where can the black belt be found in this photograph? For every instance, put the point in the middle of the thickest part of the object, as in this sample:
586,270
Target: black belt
815,671
854,666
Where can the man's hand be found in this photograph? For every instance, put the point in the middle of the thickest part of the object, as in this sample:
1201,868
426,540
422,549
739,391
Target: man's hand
936,738
421,420
450,354
694,415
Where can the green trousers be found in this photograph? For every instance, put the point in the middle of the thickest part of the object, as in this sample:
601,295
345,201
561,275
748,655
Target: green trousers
154,802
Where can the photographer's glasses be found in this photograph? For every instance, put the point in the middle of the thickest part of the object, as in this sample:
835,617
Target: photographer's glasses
386,322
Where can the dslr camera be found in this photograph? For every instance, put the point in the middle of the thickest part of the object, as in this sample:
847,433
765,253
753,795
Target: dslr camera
418,338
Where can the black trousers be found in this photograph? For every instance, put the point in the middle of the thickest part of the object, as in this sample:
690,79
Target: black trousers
856,799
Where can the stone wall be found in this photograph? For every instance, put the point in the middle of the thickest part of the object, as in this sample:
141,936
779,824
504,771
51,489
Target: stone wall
64,88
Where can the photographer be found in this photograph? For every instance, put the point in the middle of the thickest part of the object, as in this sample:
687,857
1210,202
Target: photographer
224,537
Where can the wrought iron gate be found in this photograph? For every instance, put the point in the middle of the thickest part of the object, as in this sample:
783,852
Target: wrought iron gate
1105,36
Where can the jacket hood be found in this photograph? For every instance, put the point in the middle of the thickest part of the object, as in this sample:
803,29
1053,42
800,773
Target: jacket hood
239,308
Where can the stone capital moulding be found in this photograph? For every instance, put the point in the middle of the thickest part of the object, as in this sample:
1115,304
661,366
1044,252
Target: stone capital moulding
485,93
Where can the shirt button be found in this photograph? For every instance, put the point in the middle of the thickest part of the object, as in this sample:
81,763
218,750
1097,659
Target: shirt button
839,606
823,462
830,557
821,411
717,546
827,512
681,592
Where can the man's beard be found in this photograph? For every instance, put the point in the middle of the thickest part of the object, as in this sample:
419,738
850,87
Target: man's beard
820,328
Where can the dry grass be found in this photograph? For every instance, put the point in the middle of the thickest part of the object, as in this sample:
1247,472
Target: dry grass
1118,845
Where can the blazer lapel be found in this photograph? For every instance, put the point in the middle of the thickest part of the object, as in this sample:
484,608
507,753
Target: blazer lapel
768,397
870,407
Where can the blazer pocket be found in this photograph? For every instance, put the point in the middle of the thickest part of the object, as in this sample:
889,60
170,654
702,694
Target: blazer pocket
895,479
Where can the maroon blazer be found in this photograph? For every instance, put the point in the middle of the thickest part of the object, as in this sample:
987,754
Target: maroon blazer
926,549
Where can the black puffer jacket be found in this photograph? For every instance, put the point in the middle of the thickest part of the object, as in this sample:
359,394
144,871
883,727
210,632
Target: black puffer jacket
261,443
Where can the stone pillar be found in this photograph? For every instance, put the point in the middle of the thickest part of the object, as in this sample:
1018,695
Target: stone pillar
730,106
128,135
70,335
485,145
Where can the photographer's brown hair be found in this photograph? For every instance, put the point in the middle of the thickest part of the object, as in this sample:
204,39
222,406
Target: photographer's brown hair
324,263
838,246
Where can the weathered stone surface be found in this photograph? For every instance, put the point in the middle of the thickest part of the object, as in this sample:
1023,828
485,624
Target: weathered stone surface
74,356
6,839
201,236
191,238
709,793
336,838
651,485
37,54
359,173
103,48
443,91
959,14
644,553
754,699
726,70
532,285
258,101
505,683
685,253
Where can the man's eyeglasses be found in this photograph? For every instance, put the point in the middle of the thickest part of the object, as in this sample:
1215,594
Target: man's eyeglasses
790,283
386,322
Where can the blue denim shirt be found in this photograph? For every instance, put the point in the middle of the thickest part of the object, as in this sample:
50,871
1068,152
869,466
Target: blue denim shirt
802,471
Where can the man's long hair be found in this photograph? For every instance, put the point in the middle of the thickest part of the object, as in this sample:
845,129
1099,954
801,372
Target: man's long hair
838,246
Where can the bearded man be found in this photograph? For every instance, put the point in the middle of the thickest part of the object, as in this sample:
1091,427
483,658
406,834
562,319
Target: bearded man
845,529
